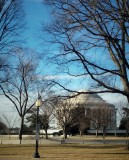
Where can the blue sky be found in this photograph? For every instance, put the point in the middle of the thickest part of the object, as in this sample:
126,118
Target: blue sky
36,13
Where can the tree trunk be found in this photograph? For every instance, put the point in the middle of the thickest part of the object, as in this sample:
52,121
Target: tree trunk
9,133
104,132
46,133
65,133
127,132
80,132
96,132
21,129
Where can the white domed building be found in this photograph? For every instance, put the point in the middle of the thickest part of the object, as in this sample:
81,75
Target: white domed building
92,101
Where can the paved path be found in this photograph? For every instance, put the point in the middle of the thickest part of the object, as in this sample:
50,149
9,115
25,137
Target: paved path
67,141
97,141
41,141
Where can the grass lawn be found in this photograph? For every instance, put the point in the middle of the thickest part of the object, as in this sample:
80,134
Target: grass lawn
65,152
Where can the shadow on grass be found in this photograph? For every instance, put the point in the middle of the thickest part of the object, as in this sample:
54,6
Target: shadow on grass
14,146
77,146
7,154
112,153
106,146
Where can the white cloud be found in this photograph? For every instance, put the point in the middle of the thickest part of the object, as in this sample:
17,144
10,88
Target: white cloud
50,77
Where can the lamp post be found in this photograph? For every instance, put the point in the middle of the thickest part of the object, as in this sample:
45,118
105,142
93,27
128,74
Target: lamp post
38,104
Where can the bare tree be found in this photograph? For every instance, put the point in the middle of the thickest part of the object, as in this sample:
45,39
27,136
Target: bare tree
3,127
95,119
106,118
11,27
123,113
10,121
83,120
47,116
94,36
20,88
101,117
11,24
43,121
126,119
67,114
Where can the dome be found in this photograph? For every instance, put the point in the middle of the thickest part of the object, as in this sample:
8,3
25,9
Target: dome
87,98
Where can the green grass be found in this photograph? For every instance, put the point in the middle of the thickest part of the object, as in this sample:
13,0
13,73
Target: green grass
65,152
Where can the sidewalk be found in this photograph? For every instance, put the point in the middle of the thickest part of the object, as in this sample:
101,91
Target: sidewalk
58,140
42,141
29,141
